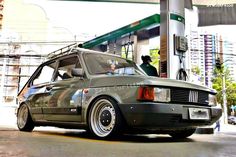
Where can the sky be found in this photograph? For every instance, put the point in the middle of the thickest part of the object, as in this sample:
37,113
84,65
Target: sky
97,18
94,17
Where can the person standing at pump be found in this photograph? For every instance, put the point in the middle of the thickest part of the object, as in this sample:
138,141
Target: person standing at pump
147,67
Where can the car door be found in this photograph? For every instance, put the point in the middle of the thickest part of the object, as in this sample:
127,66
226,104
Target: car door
36,88
64,103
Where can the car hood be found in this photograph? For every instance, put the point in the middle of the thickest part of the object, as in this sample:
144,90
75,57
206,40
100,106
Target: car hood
105,81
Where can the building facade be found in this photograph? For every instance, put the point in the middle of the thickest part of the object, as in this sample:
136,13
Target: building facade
196,57
26,36
204,49
210,50
228,53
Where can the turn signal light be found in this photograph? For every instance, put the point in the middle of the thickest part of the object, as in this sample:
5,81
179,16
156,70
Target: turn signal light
146,93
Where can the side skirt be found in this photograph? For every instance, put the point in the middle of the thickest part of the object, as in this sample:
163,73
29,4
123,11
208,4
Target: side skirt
67,125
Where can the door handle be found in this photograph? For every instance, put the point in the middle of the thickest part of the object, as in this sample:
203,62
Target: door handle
48,88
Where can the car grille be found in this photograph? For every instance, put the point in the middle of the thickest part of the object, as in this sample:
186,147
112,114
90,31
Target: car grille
189,96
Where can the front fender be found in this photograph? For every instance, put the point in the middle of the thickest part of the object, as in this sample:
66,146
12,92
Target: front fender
92,95
121,94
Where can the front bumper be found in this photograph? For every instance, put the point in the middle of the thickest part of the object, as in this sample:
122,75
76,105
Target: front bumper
158,116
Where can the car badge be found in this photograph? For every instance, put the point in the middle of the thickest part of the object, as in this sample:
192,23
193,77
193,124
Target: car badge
193,96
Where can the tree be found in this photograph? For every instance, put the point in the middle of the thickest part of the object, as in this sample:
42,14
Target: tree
196,70
230,86
196,75
231,94
155,57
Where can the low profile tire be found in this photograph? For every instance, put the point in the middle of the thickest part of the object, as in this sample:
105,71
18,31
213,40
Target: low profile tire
24,120
182,134
104,118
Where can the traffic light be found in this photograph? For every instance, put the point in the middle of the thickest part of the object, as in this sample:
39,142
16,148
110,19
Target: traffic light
218,64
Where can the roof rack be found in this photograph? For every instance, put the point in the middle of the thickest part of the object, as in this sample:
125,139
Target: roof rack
62,51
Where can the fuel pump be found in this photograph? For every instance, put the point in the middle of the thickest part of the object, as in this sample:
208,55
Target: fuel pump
180,48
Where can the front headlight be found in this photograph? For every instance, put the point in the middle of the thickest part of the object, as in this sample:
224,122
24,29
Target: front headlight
162,94
212,100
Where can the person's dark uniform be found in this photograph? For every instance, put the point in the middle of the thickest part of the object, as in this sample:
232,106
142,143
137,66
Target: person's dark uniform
147,67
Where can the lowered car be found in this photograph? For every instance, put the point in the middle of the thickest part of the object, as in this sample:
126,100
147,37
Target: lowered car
108,95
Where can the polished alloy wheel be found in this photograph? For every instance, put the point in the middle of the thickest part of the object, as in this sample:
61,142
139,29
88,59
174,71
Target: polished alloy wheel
24,120
102,118
22,116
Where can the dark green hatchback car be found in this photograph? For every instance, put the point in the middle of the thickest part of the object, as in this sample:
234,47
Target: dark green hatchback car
108,95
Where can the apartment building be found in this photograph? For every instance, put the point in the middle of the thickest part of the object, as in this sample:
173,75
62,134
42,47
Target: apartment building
210,50
197,57
204,49
229,56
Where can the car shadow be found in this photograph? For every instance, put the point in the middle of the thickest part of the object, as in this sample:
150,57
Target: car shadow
129,138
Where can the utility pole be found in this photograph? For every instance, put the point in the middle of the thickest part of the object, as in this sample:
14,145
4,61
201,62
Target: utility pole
224,99
221,68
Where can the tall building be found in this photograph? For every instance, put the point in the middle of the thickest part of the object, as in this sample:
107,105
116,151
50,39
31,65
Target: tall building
205,46
204,49
210,49
228,56
197,57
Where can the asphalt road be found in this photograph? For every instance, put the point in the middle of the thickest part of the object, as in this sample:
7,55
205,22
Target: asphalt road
53,142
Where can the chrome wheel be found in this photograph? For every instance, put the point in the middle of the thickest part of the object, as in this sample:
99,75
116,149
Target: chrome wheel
24,121
103,118
22,116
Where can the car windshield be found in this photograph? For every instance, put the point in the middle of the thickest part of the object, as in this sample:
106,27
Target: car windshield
110,65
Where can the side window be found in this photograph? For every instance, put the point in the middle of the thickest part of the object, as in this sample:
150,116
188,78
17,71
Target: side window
45,74
65,67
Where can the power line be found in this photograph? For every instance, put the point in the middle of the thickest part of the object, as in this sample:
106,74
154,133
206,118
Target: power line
213,52
228,54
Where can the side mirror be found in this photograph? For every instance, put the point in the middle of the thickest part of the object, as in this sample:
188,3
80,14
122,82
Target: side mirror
77,72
